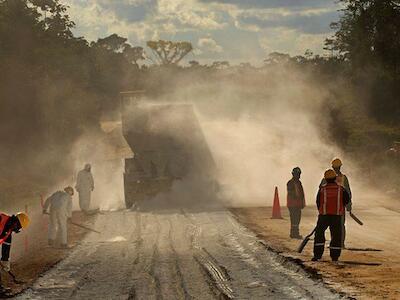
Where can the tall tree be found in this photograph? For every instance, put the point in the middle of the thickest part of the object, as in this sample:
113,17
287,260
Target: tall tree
168,52
369,33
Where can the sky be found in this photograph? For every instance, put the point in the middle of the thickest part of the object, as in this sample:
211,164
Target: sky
233,30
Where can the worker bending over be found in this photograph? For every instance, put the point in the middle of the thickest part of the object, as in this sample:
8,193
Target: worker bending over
331,201
8,226
295,202
60,204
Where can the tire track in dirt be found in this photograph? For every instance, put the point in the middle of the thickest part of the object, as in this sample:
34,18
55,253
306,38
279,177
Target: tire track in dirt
216,276
181,280
174,255
143,284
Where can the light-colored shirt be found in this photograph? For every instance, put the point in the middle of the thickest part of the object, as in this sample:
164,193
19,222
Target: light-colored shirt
60,201
84,181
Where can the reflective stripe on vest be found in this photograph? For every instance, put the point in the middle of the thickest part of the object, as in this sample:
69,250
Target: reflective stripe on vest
331,200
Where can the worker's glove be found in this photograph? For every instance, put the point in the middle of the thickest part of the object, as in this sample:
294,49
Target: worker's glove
348,207
5,265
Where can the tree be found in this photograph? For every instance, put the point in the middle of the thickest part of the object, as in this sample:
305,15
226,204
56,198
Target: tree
277,58
134,54
168,52
113,43
220,65
368,33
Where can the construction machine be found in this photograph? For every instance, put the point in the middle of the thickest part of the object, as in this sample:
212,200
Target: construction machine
168,145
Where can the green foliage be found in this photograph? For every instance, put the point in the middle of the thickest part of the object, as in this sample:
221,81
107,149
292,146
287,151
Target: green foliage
53,86
369,33
168,52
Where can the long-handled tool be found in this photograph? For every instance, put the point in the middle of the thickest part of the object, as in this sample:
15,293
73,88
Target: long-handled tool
79,225
356,219
15,279
84,227
306,240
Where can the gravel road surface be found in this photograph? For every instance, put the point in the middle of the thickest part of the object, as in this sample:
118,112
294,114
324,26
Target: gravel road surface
174,254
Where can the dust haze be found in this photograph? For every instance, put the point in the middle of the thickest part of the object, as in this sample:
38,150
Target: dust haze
258,129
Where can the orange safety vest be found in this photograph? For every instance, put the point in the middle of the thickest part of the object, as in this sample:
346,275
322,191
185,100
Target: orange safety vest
3,221
296,199
340,180
331,200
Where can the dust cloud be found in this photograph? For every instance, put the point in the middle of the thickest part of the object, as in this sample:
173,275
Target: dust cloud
259,131
105,151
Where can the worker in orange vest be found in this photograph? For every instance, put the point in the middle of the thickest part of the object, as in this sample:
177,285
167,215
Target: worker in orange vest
331,201
8,226
295,202
343,181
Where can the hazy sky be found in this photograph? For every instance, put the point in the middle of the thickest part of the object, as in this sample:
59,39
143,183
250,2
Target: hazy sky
234,30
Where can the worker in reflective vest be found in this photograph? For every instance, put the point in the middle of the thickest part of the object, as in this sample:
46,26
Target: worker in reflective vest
331,201
295,202
8,226
343,181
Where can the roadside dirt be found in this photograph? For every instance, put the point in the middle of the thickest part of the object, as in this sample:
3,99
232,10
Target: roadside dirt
31,256
360,274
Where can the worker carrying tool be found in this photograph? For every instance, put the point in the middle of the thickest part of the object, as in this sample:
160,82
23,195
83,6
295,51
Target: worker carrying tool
85,186
331,201
60,204
343,181
8,226
295,202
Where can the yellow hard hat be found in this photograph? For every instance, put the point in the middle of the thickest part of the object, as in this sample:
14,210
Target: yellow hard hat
330,174
23,219
336,163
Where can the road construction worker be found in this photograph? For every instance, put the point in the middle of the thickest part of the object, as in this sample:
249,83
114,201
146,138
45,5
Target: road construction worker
85,186
343,181
8,226
331,201
60,204
295,202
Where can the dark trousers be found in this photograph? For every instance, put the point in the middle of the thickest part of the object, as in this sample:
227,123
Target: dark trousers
343,221
335,226
295,218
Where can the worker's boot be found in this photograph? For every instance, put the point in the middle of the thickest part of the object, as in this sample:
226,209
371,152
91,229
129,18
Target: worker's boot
315,259
64,246
5,292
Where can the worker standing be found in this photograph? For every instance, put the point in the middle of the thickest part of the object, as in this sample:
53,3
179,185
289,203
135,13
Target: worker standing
331,201
60,204
85,186
295,202
8,226
343,181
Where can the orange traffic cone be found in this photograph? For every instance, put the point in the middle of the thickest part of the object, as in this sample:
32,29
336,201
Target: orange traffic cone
276,209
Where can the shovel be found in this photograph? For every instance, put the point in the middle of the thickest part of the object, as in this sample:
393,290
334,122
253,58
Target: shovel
79,225
306,240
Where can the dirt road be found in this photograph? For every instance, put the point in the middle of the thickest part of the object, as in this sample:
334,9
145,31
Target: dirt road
174,255
369,267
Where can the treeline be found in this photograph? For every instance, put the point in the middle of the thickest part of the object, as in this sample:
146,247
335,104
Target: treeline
54,85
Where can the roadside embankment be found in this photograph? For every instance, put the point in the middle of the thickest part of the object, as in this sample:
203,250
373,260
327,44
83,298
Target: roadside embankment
361,273
30,253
